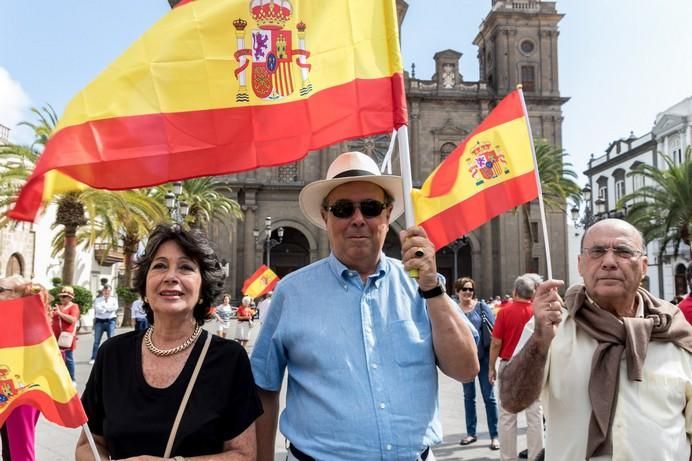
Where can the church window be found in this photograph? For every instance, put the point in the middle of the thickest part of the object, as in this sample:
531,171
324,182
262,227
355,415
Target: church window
527,47
528,78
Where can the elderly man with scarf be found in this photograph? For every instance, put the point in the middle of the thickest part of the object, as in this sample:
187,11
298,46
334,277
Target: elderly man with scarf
612,361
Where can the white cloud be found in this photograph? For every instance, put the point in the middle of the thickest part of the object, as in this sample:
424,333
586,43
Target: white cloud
14,102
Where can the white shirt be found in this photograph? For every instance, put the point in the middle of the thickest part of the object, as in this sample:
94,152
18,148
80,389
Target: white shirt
105,308
138,311
653,418
263,308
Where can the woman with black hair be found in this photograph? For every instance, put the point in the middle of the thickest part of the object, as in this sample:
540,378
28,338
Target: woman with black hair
135,395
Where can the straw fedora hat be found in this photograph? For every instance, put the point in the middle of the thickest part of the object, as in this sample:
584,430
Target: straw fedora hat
67,291
349,167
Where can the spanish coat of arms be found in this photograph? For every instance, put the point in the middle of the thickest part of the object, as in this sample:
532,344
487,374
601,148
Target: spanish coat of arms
272,53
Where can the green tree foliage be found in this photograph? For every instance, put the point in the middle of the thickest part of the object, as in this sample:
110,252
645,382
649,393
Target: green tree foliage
558,183
82,297
662,208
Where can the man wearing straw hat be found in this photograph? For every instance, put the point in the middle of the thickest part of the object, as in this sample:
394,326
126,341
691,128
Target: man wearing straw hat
361,339
613,362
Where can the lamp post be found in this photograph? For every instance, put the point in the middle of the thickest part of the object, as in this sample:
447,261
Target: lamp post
176,208
269,242
590,218
455,246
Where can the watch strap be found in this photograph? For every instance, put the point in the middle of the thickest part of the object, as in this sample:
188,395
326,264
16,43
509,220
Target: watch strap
433,292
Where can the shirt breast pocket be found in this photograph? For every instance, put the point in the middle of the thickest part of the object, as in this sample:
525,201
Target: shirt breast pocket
411,343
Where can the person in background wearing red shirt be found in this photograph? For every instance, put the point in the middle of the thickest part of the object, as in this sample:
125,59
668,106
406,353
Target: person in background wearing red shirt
64,317
509,325
686,304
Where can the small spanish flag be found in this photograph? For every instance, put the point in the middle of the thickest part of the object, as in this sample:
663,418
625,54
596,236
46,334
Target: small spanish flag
489,173
219,87
32,371
262,281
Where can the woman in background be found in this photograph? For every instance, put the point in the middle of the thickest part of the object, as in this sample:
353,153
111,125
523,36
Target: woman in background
244,316
475,311
223,316
64,316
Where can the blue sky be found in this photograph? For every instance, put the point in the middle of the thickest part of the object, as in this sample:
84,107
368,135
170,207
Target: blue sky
621,61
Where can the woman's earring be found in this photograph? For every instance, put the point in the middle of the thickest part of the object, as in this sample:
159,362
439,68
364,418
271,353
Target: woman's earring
146,300
200,301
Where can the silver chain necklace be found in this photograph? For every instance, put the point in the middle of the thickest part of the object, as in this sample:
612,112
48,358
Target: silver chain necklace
166,352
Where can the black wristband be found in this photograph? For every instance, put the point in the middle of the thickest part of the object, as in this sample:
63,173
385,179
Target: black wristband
437,291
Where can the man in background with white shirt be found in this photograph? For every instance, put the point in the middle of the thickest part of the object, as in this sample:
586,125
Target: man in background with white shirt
105,313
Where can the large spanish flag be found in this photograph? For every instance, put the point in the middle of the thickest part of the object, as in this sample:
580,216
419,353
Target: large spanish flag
224,86
261,282
32,371
490,172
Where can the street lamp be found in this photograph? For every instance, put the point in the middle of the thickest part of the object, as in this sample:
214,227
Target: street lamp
269,242
590,218
455,246
176,208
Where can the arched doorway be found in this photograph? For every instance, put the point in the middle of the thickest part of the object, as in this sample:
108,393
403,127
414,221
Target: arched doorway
15,265
680,282
454,261
291,254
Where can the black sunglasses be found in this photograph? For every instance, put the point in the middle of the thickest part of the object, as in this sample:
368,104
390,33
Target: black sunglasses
345,208
470,290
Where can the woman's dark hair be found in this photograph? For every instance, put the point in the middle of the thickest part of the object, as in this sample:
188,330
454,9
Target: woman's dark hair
196,246
459,284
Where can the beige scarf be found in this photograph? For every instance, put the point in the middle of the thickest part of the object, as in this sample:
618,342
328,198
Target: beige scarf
662,322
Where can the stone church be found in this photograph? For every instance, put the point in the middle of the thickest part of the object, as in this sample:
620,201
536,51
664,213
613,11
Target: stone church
517,43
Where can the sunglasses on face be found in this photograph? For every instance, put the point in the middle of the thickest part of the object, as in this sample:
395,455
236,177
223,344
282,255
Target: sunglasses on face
466,289
346,208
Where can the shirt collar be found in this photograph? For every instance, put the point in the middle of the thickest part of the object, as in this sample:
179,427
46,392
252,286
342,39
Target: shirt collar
342,271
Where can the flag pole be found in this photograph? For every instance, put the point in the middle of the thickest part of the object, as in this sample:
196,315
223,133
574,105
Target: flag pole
541,205
405,163
92,444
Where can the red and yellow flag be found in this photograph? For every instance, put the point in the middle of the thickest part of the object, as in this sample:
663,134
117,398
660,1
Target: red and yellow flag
491,172
32,371
261,282
218,87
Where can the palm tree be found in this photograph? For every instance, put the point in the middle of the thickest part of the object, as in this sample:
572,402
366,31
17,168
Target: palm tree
557,184
208,200
662,208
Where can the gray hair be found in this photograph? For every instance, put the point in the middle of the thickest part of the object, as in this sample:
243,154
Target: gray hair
525,285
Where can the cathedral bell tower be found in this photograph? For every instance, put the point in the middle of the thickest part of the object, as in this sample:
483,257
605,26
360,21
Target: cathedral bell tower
517,43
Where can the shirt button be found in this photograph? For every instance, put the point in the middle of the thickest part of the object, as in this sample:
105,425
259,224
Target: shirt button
374,366
382,406
389,447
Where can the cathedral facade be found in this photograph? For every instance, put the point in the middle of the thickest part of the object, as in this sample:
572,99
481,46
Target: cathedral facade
517,44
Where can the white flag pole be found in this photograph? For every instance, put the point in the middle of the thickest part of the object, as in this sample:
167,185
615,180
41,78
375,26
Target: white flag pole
541,206
92,444
405,162
387,162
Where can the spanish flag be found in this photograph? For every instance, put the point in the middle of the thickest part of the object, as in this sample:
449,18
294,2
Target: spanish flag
262,281
32,371
219,87
491,172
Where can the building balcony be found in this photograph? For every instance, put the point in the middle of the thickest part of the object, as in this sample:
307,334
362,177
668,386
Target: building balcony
107,255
